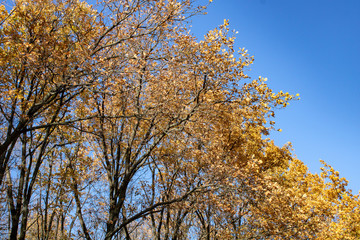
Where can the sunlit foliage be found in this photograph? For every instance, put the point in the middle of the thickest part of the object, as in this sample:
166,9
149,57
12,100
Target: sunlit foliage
117,123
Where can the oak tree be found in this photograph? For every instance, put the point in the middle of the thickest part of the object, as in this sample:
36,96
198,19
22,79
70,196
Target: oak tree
117,123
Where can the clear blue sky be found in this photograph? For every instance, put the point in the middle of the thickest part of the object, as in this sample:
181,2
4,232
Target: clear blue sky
310,47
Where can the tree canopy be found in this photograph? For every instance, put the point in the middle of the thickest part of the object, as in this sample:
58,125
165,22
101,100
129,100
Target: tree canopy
117,123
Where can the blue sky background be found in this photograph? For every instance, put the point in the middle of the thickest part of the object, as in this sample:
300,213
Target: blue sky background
310,47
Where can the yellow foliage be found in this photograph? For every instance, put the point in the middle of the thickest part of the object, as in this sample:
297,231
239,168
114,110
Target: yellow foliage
115,121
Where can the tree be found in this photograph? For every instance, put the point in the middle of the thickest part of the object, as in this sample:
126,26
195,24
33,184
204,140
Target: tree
116,123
